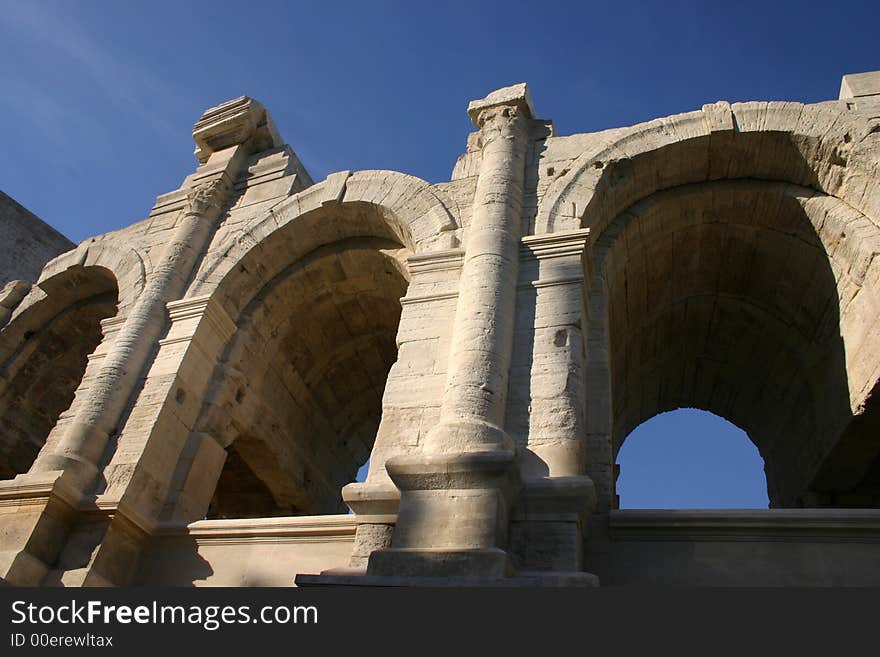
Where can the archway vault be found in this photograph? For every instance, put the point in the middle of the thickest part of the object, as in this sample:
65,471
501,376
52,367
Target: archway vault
290,388
44,353
298,394
742,298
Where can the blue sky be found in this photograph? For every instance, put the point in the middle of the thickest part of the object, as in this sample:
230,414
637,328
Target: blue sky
690,459
99,97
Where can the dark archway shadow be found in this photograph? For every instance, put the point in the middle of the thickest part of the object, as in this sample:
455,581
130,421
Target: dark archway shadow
46,351
722,296
296,393
298,398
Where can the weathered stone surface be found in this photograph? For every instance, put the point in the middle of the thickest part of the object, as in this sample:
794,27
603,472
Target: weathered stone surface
26,242
188,400
861,90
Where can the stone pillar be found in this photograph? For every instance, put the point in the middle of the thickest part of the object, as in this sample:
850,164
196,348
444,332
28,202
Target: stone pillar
58,483
546,412
199,330
456,494
474,400
80,449
225,136
412,397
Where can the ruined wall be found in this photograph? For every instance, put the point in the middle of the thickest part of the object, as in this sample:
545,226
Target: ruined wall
487,342
26,242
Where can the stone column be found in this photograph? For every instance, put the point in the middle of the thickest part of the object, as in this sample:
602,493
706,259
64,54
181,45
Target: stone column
474,400
456,494
57,484
80,449
225,136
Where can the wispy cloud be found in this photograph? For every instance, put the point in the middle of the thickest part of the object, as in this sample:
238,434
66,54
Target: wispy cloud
129,87
49,119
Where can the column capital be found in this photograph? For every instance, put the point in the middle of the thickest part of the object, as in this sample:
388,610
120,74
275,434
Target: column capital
206,196
516,95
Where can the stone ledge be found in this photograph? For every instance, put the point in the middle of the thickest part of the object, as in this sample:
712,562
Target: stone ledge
554,245
292,526
745,524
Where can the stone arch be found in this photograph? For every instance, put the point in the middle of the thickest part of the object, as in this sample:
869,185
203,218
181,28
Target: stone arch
749,299
317,266
44,352
298,396
387,204
817,146
124,263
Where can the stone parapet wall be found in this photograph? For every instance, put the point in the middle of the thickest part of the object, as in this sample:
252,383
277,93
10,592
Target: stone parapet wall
26,242
260,552
779,547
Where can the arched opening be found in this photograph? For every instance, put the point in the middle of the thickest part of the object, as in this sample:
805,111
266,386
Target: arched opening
722,296
49,347
690,459
298,397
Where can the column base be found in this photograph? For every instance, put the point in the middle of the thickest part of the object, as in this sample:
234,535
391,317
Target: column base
547,527
375,506
453,516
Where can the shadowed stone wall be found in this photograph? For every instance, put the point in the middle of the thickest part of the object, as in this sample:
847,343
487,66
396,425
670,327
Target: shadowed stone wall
26,242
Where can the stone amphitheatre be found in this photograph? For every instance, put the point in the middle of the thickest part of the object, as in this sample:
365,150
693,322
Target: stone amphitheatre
187,401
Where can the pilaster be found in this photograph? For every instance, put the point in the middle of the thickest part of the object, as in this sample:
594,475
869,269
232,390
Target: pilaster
413,394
